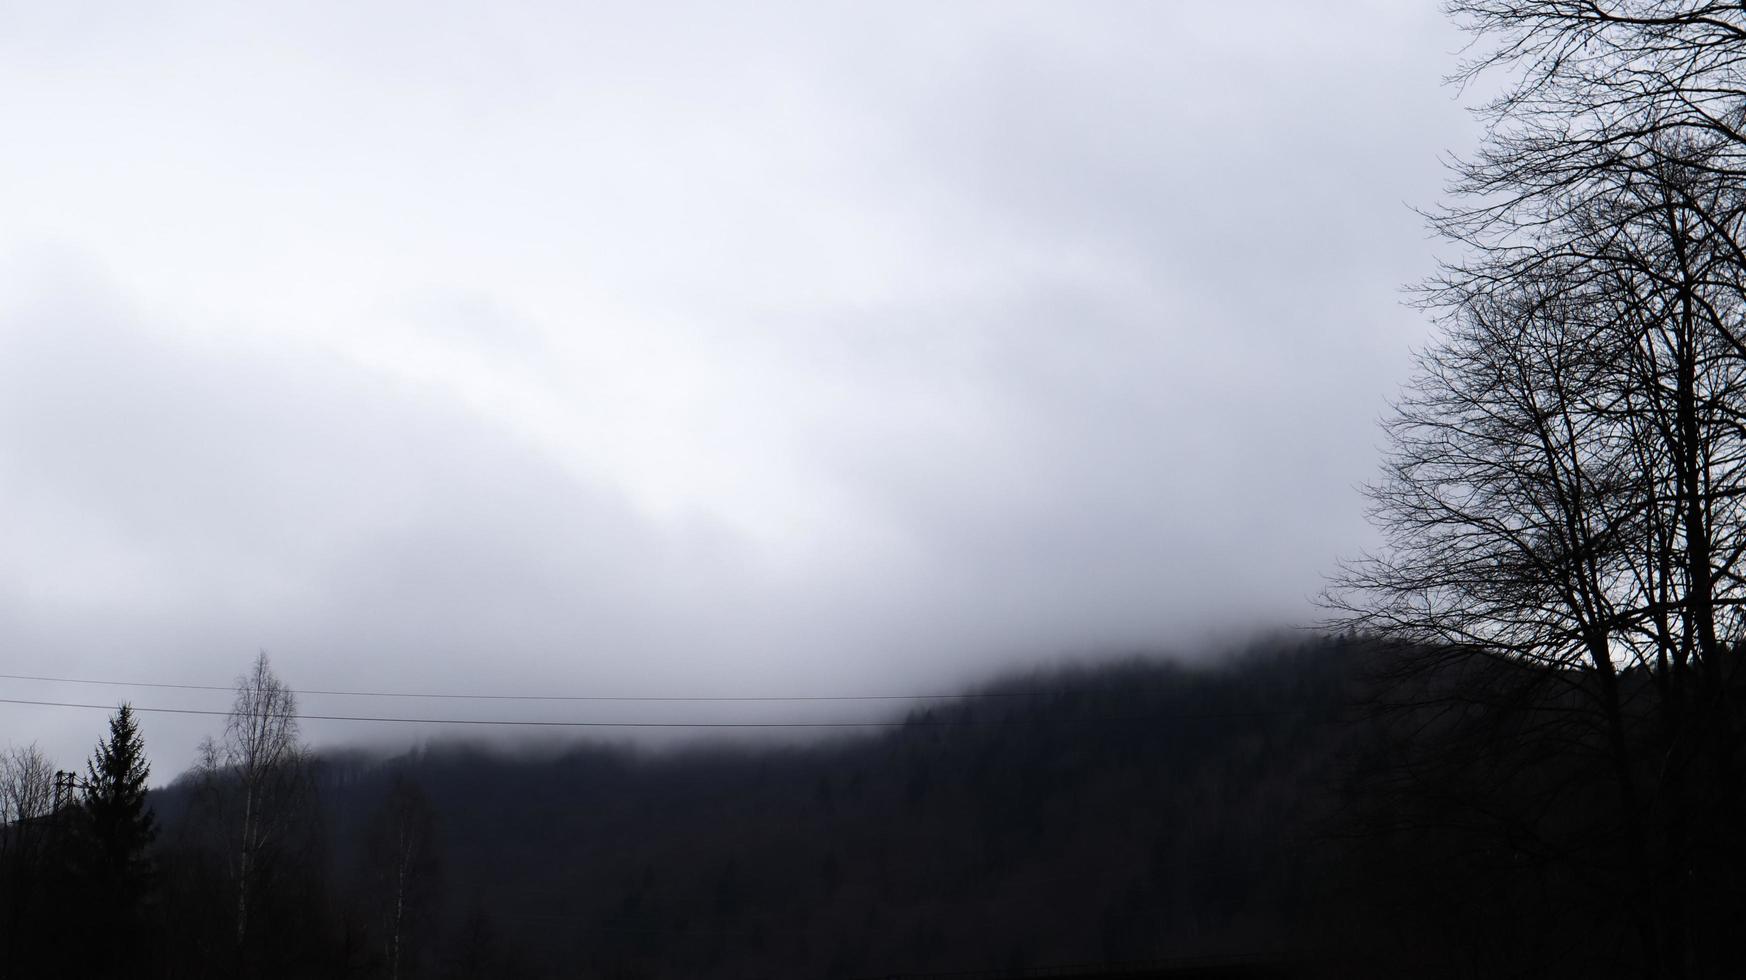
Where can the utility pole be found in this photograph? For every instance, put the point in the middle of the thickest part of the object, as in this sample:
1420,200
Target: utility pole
66,783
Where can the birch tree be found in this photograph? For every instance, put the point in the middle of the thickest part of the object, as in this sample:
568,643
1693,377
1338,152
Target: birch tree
256,780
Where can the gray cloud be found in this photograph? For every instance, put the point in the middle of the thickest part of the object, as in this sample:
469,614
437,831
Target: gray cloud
599,349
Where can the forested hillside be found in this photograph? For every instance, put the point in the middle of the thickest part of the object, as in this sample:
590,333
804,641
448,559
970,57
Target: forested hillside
1135,811
1130,812
1320,808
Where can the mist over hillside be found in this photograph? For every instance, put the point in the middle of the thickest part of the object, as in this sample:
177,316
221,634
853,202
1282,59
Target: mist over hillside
1327,807
1299,810
1135,811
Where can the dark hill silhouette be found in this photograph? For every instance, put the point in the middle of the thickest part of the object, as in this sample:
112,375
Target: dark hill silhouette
1306,809
1126,812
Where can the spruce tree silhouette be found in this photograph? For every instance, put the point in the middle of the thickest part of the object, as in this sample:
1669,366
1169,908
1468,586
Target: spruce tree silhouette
116,827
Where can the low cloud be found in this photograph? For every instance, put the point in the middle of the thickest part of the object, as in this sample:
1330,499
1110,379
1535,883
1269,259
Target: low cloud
581,350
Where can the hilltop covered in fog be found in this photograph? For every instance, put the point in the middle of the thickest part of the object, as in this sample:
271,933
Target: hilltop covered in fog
1141,810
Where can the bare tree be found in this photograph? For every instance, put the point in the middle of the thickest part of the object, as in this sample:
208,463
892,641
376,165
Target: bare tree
401,866
256,780
1615,163
1566,476
26,804
26,801
26,785
1591,89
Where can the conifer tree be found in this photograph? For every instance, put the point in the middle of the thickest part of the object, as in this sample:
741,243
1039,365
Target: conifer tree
117,822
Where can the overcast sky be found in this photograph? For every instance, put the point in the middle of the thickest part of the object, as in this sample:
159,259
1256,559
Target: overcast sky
686,348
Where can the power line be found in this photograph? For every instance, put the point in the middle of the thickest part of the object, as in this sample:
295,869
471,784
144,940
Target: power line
963,695
539,723
492,721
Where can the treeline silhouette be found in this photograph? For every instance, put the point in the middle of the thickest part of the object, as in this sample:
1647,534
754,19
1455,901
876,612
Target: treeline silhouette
1309,808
